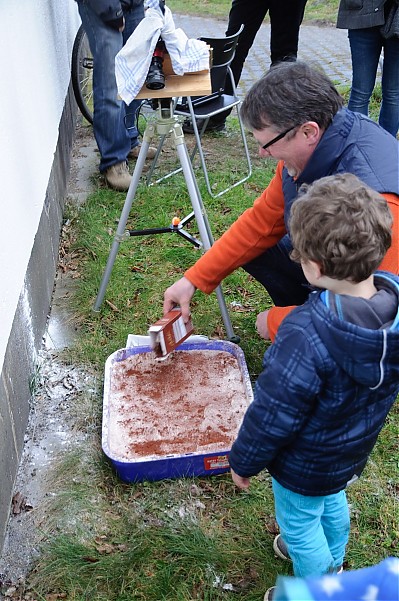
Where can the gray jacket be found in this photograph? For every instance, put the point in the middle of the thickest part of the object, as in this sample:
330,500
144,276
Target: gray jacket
360,14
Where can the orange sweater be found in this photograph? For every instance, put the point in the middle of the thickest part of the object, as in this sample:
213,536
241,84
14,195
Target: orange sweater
257,229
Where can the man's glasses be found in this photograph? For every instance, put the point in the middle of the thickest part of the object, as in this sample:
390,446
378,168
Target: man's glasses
279,137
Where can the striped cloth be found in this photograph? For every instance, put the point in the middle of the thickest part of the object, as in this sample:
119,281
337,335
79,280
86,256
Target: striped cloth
133,61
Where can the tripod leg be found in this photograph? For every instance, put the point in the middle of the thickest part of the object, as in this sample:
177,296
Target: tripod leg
121,234
201,218
155,159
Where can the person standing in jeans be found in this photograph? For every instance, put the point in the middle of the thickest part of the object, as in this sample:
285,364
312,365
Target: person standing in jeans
108,24
364,21
285,21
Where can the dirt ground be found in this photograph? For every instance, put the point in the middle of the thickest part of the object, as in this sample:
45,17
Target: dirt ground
52,428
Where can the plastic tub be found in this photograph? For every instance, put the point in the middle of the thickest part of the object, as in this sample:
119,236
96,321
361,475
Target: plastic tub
171,465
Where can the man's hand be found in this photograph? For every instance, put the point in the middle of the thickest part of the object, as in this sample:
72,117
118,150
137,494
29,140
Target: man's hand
261,325
239,481
180,293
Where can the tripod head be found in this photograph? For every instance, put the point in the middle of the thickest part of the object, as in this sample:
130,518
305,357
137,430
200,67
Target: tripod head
164,106
166,121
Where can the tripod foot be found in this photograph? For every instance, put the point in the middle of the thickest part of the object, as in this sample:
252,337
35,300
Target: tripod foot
236,339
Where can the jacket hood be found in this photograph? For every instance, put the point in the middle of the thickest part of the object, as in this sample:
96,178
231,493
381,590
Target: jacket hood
368,356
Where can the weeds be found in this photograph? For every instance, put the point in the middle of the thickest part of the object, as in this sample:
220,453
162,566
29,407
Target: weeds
316,11
185,539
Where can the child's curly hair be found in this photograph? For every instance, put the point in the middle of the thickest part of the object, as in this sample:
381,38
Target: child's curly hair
342,224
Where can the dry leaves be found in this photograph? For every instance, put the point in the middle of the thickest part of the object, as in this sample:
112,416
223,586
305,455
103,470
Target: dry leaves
104,548
19,504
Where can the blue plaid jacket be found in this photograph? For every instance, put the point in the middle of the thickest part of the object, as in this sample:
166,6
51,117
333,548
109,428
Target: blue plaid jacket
321,400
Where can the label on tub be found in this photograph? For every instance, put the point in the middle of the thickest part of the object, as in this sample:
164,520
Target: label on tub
216,462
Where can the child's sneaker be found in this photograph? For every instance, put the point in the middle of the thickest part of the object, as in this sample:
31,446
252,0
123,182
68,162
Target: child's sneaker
280,548
269,594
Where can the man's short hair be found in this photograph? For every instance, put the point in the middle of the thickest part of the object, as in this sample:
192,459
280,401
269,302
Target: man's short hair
291,93
343,225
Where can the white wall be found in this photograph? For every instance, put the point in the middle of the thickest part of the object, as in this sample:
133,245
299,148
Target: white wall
36,38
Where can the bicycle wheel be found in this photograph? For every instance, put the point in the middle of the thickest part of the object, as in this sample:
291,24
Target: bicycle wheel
82,74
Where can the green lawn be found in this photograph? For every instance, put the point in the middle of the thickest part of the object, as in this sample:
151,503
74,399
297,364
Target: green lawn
185,539
194,538
316,11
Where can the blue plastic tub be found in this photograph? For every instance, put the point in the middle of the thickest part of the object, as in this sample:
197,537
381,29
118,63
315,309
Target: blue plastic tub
170,466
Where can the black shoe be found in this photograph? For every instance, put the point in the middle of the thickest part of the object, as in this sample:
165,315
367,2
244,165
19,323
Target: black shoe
280,548
212,126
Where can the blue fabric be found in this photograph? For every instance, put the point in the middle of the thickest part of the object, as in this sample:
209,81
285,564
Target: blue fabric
366,47
379,582
320,401
314,529
109,9
113,139
352,144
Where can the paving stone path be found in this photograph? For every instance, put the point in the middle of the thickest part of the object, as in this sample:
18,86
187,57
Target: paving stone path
322,45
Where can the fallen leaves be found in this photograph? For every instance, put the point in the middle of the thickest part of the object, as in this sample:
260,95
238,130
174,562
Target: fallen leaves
112,306
19,504
104,548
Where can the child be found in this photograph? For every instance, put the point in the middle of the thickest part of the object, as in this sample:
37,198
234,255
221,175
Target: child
331,376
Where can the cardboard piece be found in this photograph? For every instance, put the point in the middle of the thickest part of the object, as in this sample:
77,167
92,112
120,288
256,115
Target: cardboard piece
168,332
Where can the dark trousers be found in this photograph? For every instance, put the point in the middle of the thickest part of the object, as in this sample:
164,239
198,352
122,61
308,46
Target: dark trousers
285,20
283,279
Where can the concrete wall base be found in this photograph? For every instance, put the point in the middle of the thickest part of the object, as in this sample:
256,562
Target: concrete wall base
17,376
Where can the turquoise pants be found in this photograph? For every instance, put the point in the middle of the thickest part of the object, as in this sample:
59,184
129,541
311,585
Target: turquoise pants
315,529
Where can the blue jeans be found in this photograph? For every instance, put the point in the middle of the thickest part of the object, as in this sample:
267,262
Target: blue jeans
113,139
366,47
315,529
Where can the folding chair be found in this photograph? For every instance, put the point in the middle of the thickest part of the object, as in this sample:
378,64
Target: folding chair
204,107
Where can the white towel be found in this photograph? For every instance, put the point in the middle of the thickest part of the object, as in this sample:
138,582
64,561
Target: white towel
133,61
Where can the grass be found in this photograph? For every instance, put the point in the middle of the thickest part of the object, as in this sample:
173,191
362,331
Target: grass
316,11
186,539
194,538
146,265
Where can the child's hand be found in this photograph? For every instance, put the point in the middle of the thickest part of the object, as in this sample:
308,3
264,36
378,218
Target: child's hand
239,480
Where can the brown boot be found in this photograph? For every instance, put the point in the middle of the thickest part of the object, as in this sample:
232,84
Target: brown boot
134,153
118,177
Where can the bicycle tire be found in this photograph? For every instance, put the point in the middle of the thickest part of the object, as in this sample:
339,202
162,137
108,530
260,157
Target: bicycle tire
82,74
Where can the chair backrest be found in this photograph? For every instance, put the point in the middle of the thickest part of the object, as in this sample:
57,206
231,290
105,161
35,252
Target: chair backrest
223,50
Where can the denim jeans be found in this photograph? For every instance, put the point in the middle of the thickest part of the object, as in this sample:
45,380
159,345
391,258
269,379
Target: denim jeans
315,529
113,139
283,279
366,47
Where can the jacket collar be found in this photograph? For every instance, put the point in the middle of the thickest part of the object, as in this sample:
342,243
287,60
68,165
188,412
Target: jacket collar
329,149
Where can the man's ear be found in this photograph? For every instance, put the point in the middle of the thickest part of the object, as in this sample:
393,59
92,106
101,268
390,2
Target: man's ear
311,131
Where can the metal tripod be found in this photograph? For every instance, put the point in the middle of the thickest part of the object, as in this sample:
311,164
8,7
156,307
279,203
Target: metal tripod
165,124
